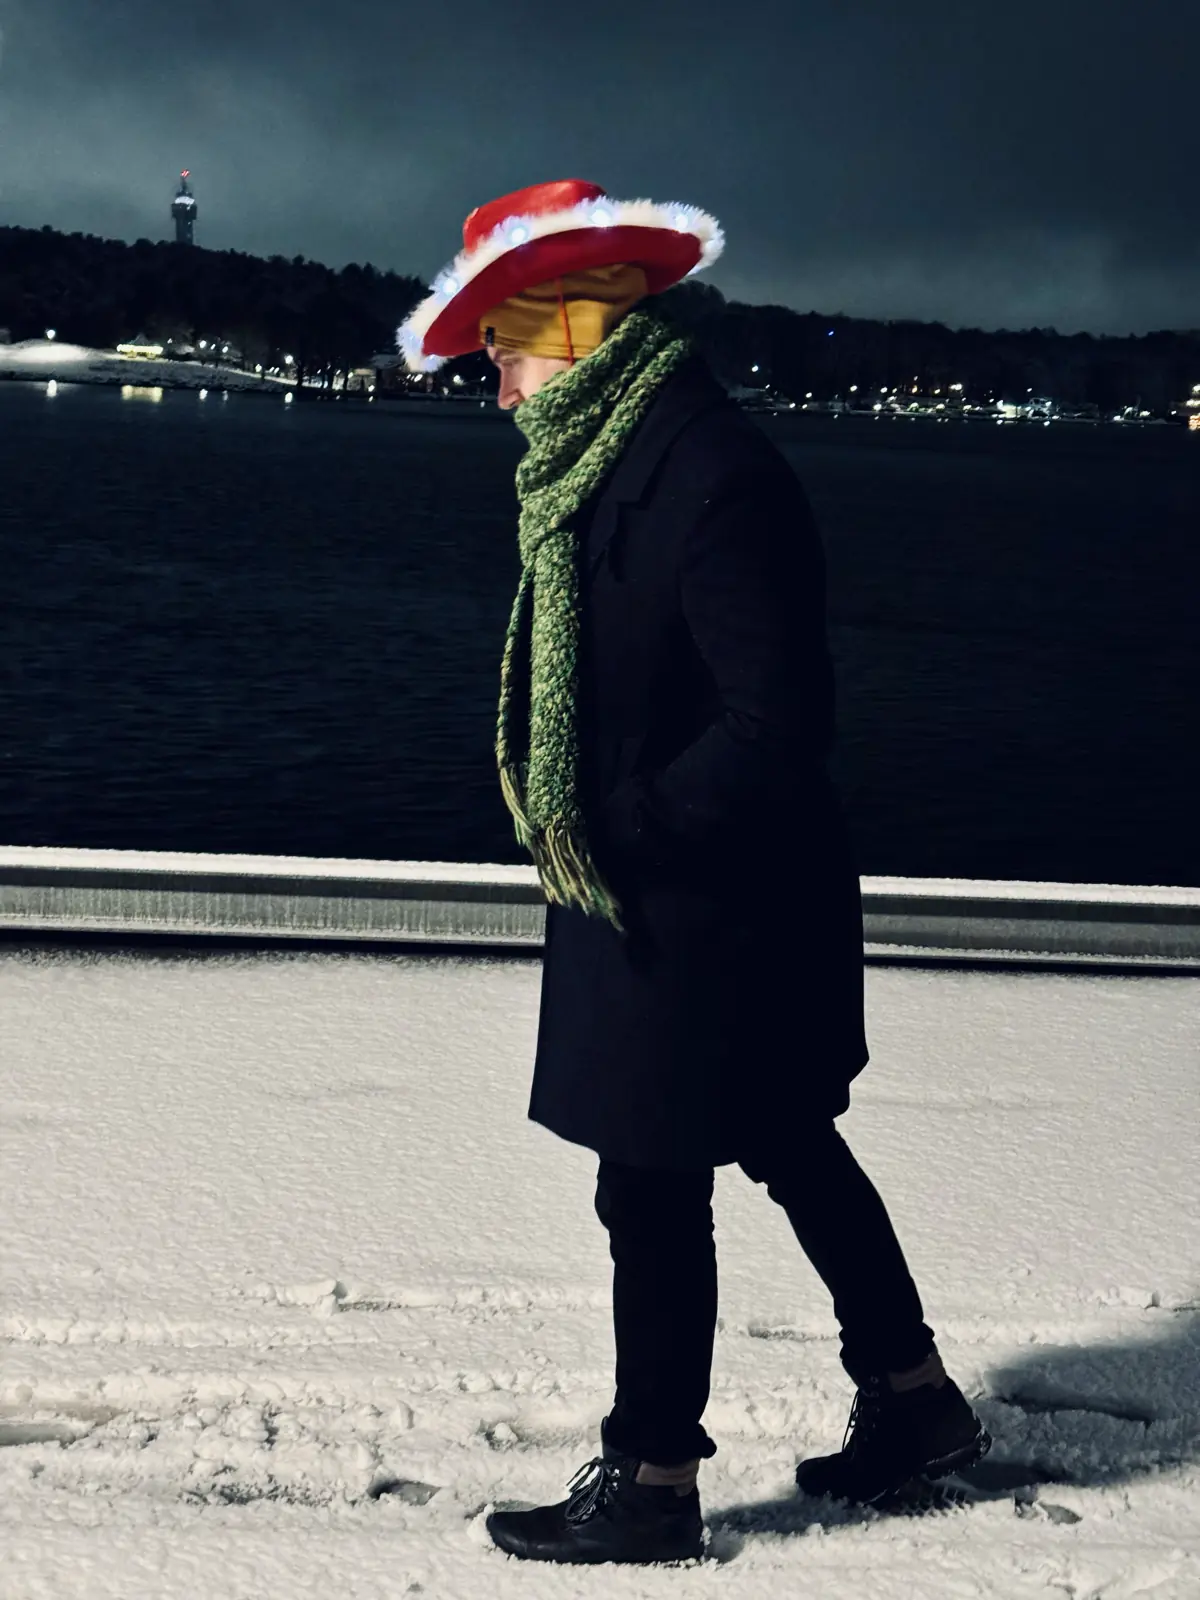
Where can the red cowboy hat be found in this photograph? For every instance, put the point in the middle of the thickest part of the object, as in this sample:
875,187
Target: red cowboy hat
536,234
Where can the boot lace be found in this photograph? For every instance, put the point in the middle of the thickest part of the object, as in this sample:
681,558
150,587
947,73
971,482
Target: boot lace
864,1415
590,1487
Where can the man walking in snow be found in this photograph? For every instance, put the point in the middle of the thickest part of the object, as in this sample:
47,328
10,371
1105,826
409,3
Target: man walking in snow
666,715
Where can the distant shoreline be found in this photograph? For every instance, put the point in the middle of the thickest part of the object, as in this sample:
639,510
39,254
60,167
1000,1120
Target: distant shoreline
226,380
235,382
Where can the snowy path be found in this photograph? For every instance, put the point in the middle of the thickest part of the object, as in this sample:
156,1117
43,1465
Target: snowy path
276,1234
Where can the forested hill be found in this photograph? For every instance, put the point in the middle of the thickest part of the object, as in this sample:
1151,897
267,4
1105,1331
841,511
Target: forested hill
101,292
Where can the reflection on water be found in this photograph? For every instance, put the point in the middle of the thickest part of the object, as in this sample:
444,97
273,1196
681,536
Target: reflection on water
140,391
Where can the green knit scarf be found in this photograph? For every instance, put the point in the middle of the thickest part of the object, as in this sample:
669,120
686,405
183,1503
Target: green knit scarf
577,425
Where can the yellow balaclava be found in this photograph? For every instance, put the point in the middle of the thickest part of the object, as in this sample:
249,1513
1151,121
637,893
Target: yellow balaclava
565,318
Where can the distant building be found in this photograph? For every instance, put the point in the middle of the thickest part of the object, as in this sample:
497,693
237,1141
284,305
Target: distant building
392,377
141,349
183,209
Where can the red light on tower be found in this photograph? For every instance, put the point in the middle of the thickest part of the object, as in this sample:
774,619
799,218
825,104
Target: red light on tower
186,173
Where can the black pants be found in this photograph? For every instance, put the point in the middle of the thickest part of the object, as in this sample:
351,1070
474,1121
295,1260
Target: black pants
660,1230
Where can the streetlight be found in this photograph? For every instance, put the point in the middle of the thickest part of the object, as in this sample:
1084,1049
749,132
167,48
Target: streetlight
52,333
754,368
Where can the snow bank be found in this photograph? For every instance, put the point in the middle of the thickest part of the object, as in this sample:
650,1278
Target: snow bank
77,363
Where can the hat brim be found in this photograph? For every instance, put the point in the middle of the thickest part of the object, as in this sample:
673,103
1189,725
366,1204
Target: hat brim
664,256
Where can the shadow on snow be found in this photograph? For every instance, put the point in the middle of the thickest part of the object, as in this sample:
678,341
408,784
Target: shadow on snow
1078,1416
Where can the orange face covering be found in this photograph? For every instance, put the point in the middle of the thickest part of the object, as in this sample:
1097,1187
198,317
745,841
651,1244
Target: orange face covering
592,302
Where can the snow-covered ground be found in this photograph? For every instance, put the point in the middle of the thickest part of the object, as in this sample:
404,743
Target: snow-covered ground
277,1234
77,363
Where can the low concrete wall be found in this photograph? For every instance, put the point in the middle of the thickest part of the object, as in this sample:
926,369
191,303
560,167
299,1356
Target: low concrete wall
51,890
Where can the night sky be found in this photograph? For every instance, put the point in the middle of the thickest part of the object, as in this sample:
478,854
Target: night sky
999,165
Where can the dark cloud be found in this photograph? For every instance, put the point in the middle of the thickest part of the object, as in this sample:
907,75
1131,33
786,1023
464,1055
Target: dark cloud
996,165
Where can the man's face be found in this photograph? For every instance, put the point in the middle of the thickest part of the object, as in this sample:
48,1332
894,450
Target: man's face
522,376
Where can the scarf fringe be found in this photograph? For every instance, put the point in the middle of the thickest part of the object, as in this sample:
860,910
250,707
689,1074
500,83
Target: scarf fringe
564,864
512,783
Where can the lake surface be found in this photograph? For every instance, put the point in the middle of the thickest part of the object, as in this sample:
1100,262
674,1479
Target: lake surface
234,625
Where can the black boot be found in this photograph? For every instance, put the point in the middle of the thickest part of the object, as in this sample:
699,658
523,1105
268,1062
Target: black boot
608,1517
892,1437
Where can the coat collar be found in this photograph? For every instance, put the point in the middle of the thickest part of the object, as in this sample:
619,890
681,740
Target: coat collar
688,392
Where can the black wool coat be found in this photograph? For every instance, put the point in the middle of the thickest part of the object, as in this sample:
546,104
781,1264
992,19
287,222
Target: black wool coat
731,1010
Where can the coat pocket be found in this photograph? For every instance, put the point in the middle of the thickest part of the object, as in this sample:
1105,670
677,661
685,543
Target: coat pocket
628,751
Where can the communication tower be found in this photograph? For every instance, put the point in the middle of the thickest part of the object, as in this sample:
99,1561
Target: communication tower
183,209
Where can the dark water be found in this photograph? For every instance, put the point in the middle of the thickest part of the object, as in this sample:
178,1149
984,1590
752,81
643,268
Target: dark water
239,626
